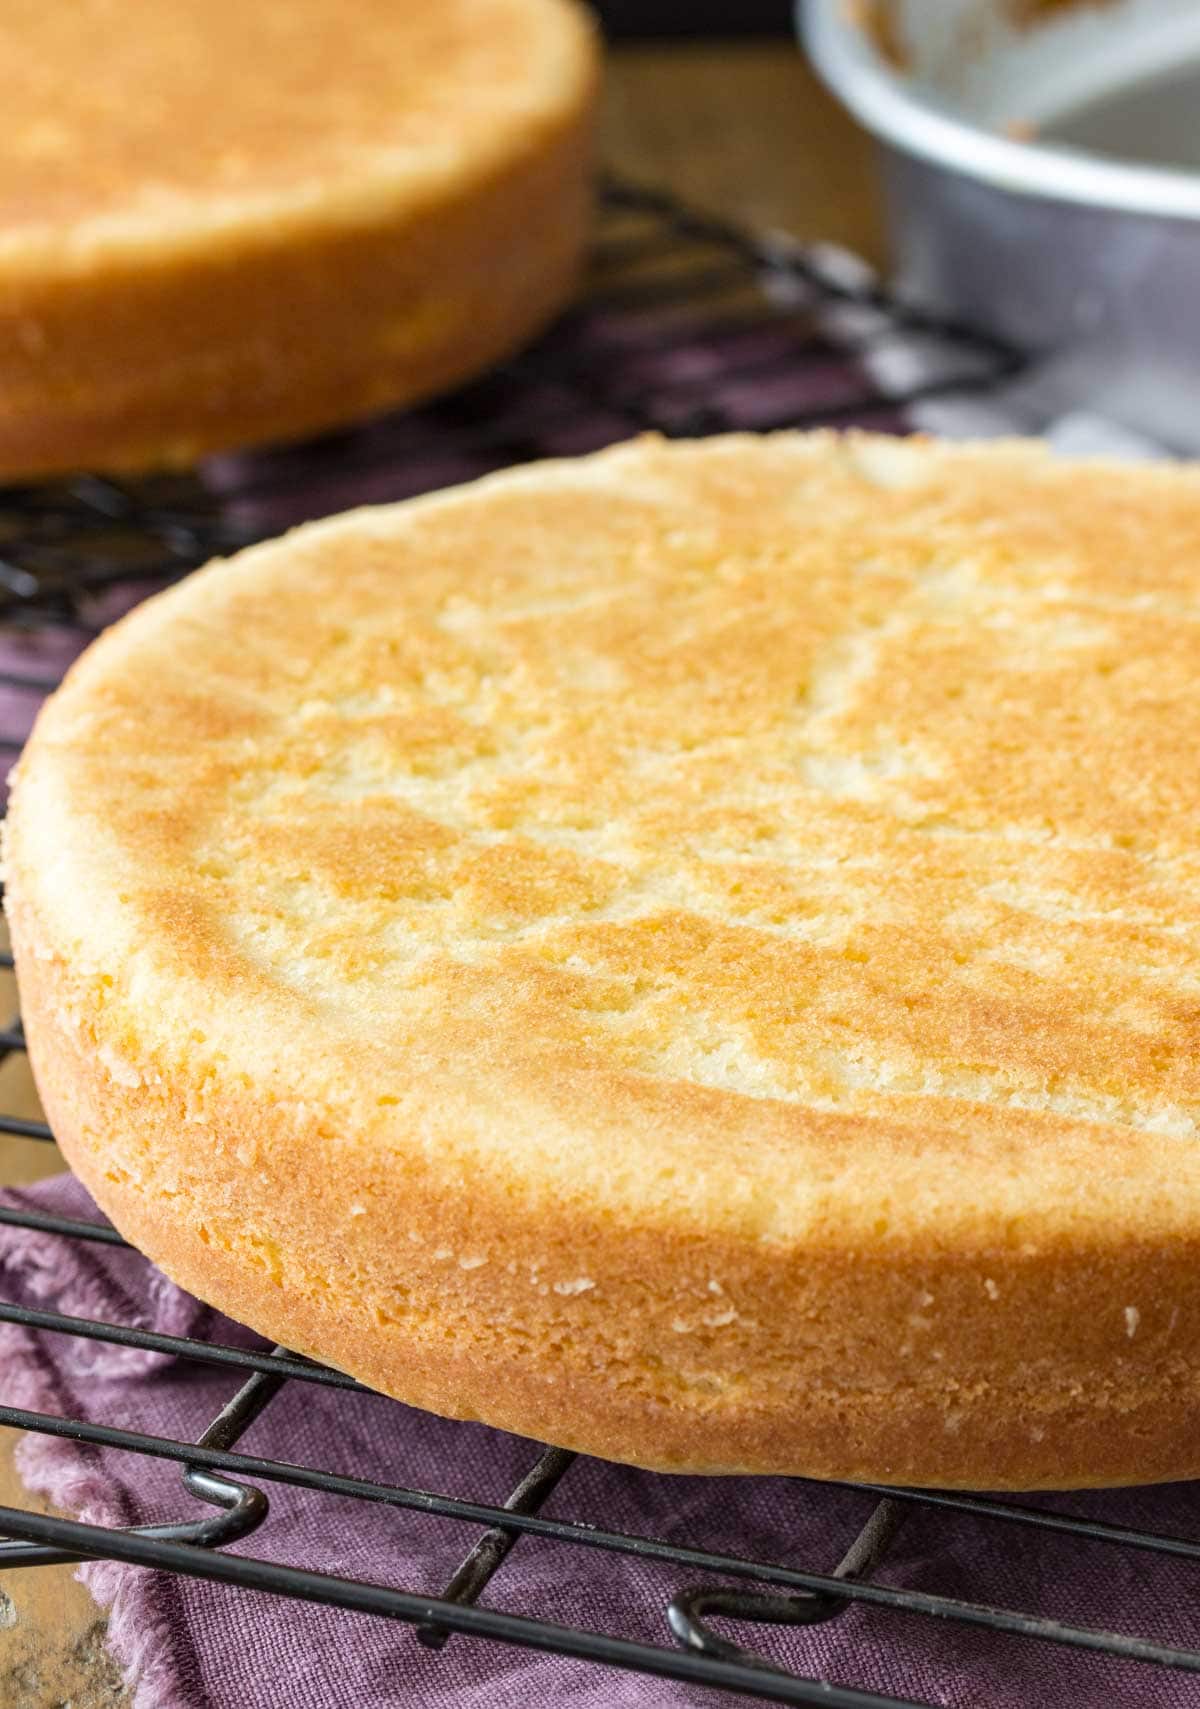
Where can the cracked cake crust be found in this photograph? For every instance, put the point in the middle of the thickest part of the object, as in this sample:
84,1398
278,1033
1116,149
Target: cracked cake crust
686,953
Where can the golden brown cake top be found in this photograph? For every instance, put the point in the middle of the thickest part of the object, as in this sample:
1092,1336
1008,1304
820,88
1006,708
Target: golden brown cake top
135,113
797,834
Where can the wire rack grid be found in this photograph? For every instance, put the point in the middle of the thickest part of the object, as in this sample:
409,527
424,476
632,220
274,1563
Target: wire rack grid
688,326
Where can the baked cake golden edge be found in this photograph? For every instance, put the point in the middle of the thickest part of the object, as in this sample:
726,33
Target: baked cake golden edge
822,1316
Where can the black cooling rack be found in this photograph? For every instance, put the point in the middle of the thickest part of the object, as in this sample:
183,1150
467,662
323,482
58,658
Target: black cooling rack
689,326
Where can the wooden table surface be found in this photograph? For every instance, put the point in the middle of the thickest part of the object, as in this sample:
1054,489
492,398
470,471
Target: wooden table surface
742,129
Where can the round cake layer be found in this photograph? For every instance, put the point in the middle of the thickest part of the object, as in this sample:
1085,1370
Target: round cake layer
224,224
689,953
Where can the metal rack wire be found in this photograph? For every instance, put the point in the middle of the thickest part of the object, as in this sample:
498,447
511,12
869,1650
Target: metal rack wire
689,326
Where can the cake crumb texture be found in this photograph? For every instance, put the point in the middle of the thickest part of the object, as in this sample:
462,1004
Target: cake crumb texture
226,224
689,953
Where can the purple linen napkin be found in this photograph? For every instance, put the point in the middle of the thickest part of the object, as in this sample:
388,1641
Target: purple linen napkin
192,1645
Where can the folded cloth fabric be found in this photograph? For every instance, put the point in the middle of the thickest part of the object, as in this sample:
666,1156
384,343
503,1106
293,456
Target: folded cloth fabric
191,1645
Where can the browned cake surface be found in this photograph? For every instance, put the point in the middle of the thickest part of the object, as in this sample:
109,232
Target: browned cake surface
223,222
235,100
688,953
